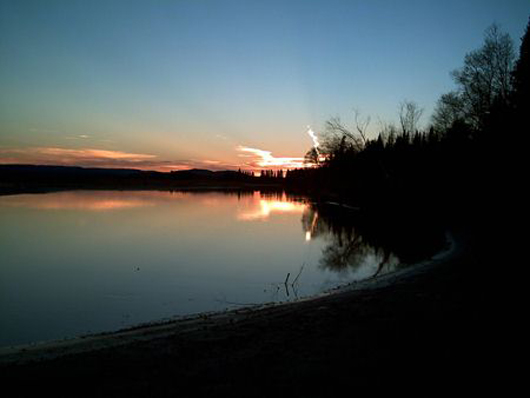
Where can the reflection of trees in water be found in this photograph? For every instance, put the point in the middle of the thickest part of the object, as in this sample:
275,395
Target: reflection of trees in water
345,252
355,238
347,249
265,193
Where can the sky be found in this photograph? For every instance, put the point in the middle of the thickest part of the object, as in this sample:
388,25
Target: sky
221,84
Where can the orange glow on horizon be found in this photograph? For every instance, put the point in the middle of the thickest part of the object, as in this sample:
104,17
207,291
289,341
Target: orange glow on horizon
248,159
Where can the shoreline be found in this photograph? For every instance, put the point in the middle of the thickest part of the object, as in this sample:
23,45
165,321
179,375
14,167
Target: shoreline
186,187
188,324
404,331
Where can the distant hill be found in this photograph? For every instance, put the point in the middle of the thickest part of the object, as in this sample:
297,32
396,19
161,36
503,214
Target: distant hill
11,171
30,171
30,178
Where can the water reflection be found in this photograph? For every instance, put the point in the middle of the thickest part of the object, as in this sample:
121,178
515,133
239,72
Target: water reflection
346,249
368,244
88,261
79,200
265,205
354,244
352,239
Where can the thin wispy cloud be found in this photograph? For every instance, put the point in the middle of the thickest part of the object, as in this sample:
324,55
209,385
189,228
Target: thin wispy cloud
249,159
91,157
90,154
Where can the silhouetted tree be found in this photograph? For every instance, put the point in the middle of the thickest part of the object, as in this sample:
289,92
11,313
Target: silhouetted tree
447,170
521,75
485,76
388,132
409,116
338,138
449,109
361,125
312,157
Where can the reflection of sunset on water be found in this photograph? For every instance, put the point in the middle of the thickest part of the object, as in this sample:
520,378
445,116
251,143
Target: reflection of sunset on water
309,233
252,206
75,201
98,205
93,200
266,207
111,253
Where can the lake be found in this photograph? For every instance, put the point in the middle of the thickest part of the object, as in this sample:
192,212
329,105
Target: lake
79,262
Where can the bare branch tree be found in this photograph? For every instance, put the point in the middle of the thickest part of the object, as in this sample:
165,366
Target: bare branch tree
409,116
449,109
485,76
335,126
336,133
361,124
339,137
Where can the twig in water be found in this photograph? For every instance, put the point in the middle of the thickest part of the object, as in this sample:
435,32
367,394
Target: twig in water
298,276
286,285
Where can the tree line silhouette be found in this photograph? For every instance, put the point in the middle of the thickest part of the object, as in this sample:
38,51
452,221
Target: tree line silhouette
461,160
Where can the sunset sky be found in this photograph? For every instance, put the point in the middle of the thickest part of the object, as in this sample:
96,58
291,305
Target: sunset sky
220,84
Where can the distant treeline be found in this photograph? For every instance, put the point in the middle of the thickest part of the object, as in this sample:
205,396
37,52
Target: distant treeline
35,178
457,164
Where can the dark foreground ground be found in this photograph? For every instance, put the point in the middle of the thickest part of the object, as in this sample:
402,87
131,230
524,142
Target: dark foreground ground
437,330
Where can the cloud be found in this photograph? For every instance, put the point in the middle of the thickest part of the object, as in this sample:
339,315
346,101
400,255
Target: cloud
250,159
314,138
90,157
261,159
91,154
87,157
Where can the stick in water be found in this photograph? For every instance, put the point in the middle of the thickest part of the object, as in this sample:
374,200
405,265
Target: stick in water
299,273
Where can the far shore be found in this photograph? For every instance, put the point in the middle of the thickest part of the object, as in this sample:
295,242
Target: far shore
15,179
16,189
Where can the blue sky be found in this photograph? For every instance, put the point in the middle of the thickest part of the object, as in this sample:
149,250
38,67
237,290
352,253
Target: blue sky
186,83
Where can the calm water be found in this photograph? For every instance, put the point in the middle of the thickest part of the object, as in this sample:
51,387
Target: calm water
81,262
